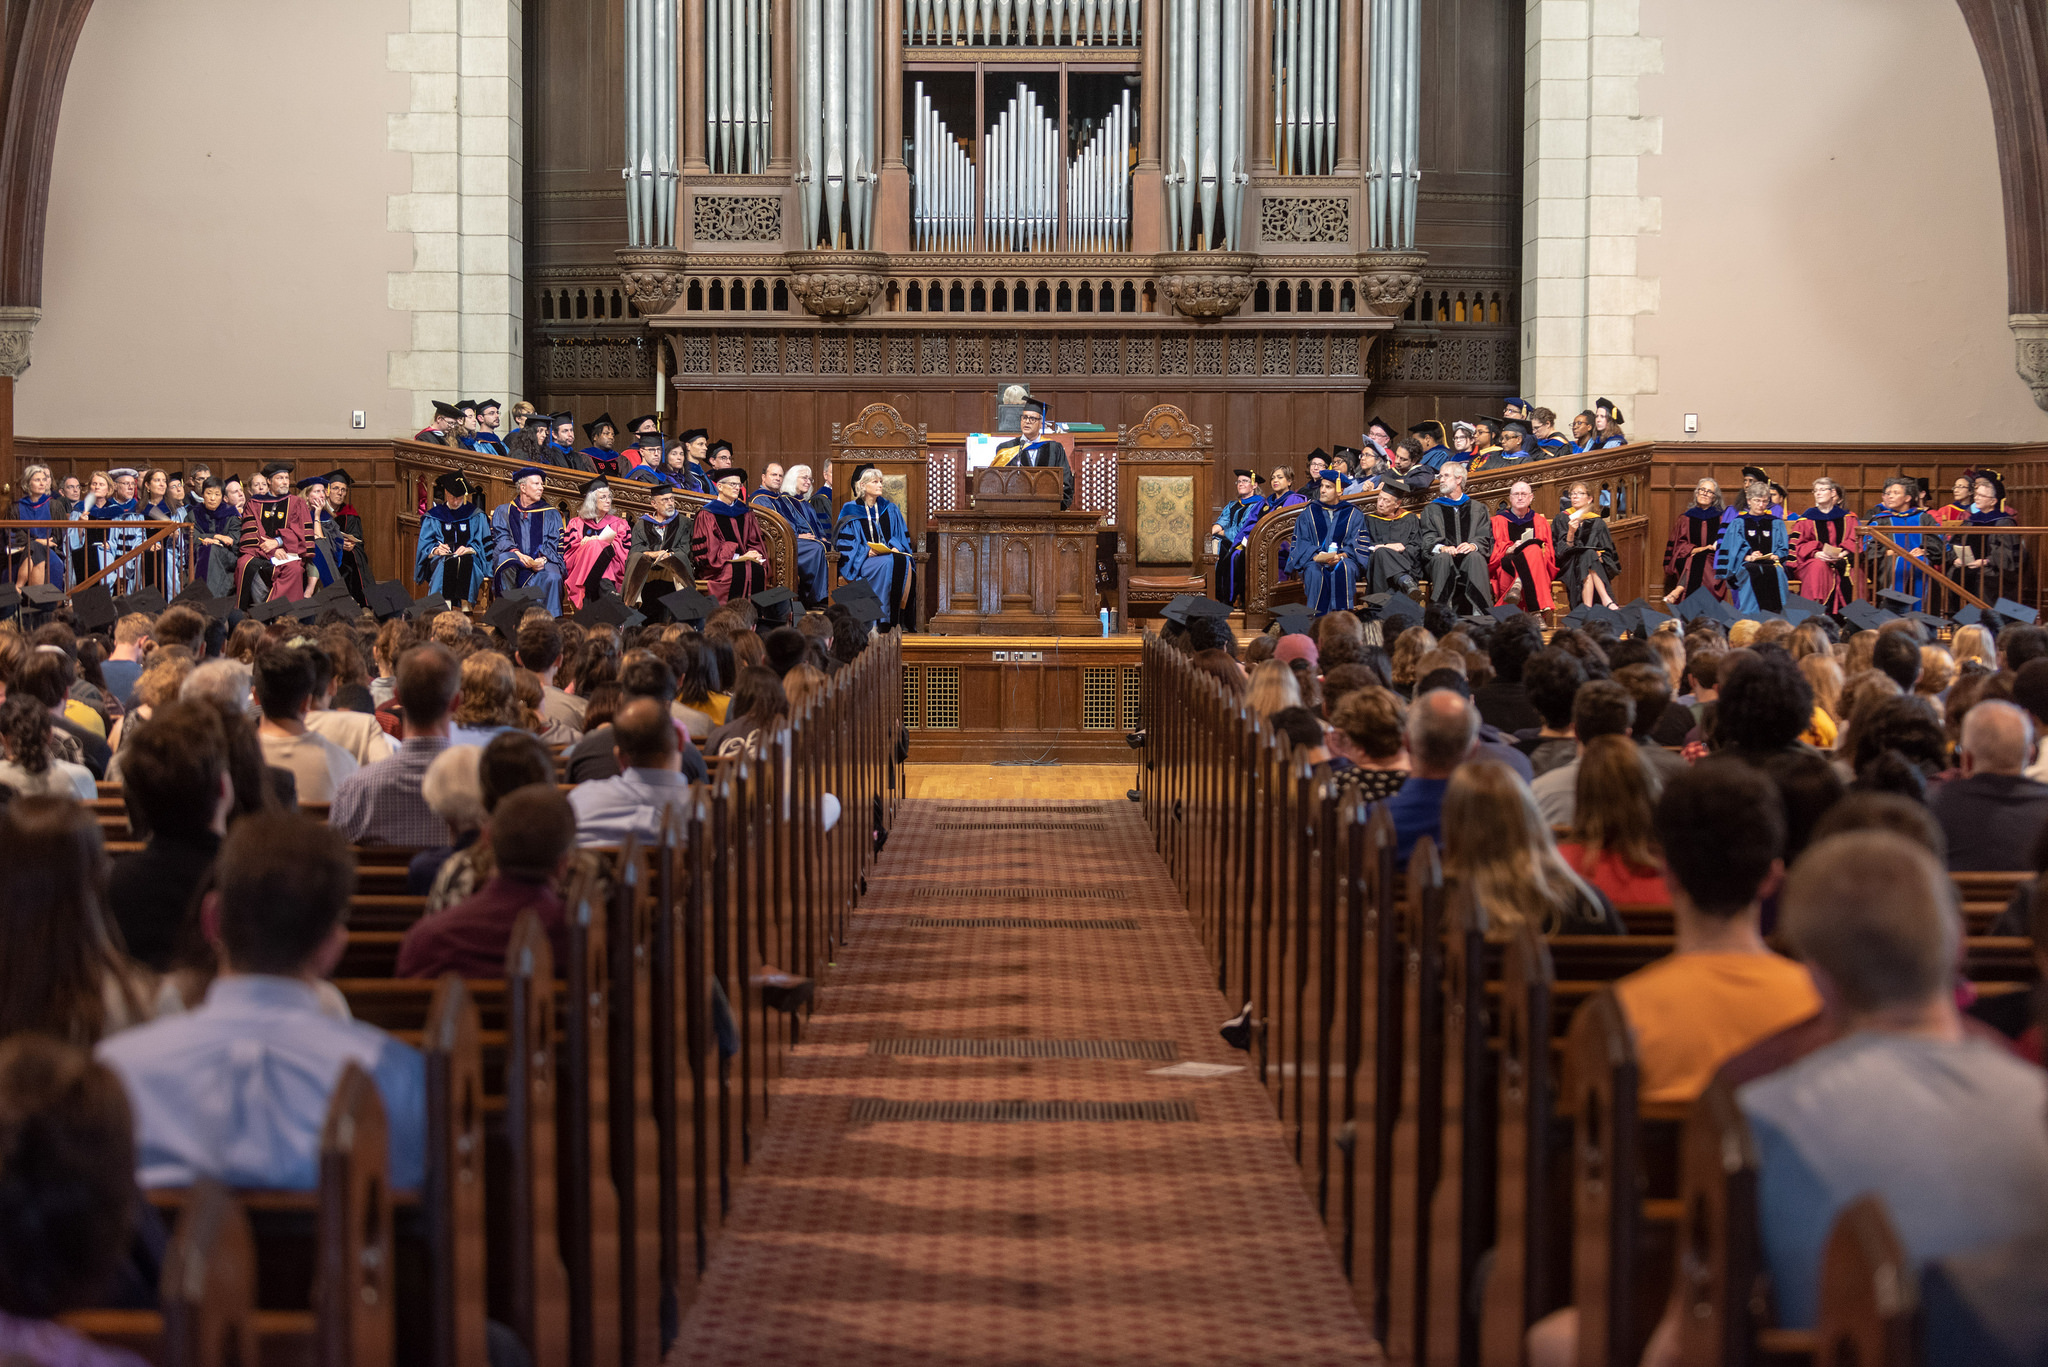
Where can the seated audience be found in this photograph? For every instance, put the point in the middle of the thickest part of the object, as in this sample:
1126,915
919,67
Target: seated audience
1304,733
1270,688
1612,844
383,804
801,684
532,834
1442,731
284,678
1897,656
64,972
28,763
354,729
1991,813
540,650
121,669
1601,708
1497,844
262,1037
45,676
488,701
513,760
758,706
1368,729
161,679
642,676
453,790
1552,679
67,1199
1945,1128
1504,701
176,782
650,780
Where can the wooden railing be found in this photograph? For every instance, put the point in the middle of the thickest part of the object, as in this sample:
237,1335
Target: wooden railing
151,556
1619,480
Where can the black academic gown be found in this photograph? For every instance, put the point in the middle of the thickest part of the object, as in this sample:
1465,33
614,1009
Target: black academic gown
1591,553
652,579
567,458
1386,567
1045,455
1461,583
353,565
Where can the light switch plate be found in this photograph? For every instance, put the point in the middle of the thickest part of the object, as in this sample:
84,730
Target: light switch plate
1692,422
358,419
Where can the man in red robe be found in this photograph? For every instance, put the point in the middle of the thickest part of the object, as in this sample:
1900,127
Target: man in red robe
732,557
277,528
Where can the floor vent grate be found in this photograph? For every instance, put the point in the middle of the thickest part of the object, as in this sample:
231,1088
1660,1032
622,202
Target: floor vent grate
1066,826
1016,894
1155,1050
1010,922
872,1111
1039,808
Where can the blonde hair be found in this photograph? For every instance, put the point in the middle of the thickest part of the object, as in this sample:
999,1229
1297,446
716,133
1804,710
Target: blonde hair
1937,672
801,684
489,695
1743,633
1973,643
1409,647
1824,676
1272,689
1615,794
1497,843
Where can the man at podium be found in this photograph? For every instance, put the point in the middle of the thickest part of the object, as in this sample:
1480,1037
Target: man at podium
1026,449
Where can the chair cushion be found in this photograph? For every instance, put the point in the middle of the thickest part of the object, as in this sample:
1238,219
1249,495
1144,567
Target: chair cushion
1166,519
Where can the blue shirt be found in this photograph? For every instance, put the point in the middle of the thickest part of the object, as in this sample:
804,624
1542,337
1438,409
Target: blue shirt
381,803
631,803
238,1089
121,676
1418,810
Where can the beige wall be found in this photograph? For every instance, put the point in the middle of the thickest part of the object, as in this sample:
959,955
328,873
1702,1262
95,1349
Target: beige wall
1831,260
218,247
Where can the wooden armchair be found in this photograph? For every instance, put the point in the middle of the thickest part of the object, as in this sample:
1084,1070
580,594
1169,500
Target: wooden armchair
879,436
1165,505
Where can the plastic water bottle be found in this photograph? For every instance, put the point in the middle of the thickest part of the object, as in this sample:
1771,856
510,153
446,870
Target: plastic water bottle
1105,621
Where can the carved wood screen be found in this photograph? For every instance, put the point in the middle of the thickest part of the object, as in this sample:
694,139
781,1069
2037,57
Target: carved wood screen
1164,446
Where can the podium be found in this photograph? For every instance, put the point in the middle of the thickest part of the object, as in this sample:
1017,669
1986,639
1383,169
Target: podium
1015,565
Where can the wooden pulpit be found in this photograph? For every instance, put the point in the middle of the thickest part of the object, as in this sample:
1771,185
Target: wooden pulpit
1014,564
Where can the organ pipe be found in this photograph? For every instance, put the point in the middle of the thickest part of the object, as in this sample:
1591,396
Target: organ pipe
650,171
1304,75
1204,137
836,119
1393,129
1098,196
1042,23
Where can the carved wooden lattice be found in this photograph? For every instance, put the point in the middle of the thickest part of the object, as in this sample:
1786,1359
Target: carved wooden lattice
571,359
737,218
1293,218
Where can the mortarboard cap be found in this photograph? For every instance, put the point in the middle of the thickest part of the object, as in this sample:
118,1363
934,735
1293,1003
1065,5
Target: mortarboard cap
527,472
271,609
1933,622
633,424
446,410
1295,619
422,608
338,476
2018,612
1401,608
484,404
1864,617
1504,612
1244,474
772,597
565,417
505,612
1971,616
860,600
222,609
1379,422
1176,610
536,420
1319,454
1209,608
1517,425
1805,605
1795,615
388,599
607,609
1432,428
1332,474
148,602
1695,604
601,420
275,467
591,486
453,482
310,480
1718,611
695,432
1757,473
1905,600
92,608
650,438
1516,403
194,592
688,605
729,472
50,596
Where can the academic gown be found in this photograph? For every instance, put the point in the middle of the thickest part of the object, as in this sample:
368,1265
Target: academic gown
535,531
486,443
1045,455
119,540
588,563
164,567
1831,584
719,532
1428,463
1759,586
1584,547
665,576
1522,574
1237,523
323,548
890,576
1552,446
263,519
603,459
1996,575
1691,531
355,576
1885,568
565,457
1452,578
455,577
36,546
215,565
1385,568
1319,529
1290,499
811,564
1951,513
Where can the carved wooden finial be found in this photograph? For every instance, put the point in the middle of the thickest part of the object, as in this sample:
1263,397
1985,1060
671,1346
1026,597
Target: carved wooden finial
1165,427
878,425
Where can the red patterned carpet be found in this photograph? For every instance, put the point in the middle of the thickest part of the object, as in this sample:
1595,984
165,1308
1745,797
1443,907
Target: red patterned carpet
918,1242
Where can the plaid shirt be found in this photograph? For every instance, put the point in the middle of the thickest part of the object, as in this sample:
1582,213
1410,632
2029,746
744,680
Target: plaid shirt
381,803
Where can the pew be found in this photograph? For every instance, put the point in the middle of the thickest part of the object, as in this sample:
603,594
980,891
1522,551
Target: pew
207,1291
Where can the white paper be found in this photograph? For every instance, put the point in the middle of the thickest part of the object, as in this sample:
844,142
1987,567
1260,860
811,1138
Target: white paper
1193,1069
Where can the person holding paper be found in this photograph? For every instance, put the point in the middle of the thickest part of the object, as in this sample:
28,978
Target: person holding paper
874,546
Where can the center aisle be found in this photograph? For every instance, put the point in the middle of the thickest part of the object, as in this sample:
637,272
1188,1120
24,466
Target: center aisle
911,1240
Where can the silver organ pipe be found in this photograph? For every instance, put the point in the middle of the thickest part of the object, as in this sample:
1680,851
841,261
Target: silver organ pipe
1021,178
1001,23
1098,195
1304,75
1393,132
650,171
943,177
837,121
1203,137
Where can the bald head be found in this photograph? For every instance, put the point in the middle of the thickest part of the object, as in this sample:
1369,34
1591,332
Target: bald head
1442,728
1877,916
1997,739
644,737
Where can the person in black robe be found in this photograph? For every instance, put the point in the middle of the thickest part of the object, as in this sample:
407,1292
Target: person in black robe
1983,561
560,447
1026,449
1586,559
348,537
1395,536
1457,536
658,562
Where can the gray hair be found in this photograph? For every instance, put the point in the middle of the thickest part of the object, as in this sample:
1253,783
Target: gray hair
1998,736
793,471
453,788
871,474
1457,467
224,681
588,512
1756,489
1830,482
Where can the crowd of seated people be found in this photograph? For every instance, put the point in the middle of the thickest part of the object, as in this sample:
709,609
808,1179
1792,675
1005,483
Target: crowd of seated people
1797,799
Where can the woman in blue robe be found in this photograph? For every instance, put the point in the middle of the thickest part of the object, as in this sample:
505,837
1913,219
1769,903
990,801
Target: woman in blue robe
118,541
874,546
1328,550
37,557
1913,530
812,531
1281,493
455,543
1754,549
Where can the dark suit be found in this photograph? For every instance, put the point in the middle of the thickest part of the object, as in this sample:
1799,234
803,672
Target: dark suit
1991,820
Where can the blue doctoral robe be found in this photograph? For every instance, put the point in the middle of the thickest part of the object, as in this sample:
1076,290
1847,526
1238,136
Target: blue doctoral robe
462,525
42,547
118,542
1273,505
323,557
485,443
535,531
1431,461
1330,588
1553,445
888,575
1237,523
1900,573
811,565
1759,585
215,565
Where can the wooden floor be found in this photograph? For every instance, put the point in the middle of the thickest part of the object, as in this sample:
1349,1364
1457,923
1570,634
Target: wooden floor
985,782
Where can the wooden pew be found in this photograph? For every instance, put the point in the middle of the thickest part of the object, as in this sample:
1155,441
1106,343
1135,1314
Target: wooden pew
207,1290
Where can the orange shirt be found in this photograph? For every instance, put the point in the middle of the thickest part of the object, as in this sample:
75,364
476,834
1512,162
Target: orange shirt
1692,1012
1624,883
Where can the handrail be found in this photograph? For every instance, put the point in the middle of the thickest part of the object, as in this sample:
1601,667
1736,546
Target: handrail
1927,568
161,533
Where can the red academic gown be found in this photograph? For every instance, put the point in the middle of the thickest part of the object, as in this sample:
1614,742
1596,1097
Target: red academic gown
1680,564
1819,580
1540,557
581,555
719,533
295,534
